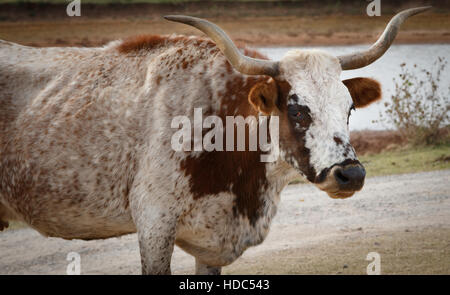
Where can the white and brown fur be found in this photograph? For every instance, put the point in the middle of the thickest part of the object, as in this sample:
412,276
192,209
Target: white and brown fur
85,144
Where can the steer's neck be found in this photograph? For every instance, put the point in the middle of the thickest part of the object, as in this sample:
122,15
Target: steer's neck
256,184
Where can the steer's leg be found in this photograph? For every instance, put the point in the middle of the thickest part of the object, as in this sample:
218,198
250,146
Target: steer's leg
203,269
155,215
156,242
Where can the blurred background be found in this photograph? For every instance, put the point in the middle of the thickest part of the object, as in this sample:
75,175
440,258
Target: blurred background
406,132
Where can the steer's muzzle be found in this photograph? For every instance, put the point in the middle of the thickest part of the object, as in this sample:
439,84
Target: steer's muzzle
342,180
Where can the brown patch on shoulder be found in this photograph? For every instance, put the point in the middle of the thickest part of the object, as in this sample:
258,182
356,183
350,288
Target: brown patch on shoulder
238,172
215,172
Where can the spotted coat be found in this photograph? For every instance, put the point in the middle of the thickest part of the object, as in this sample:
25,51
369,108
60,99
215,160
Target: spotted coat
85,144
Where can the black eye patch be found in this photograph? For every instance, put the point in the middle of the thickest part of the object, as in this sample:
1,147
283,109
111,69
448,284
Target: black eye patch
300,114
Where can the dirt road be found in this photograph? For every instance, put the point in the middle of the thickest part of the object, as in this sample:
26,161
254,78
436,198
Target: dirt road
404,218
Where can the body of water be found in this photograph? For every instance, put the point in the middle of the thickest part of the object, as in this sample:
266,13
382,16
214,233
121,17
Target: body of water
384,70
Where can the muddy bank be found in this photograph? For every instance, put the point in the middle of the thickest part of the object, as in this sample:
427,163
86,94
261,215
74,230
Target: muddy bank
255,32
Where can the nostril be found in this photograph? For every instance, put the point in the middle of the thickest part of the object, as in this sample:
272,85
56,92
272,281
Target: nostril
350,178
340,177
355,174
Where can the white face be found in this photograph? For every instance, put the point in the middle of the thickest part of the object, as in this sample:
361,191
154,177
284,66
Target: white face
318,106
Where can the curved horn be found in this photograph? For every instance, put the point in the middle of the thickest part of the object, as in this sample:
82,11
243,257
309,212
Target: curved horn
242,63
363,58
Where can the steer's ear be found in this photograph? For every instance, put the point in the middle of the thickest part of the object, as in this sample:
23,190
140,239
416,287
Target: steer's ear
364,91
263,96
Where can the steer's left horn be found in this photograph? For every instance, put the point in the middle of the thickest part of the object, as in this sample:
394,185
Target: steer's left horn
242,63
361,59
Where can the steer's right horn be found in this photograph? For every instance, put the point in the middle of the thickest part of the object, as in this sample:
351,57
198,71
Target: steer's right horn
242,63
361,59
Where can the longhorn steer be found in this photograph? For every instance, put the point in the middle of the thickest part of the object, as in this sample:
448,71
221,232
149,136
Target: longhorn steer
85,139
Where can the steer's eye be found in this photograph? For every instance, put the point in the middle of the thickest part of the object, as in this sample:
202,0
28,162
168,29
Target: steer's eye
300,114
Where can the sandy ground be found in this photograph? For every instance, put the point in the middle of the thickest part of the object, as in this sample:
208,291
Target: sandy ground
404,218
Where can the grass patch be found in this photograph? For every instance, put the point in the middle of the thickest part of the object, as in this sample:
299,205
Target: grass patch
407,160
